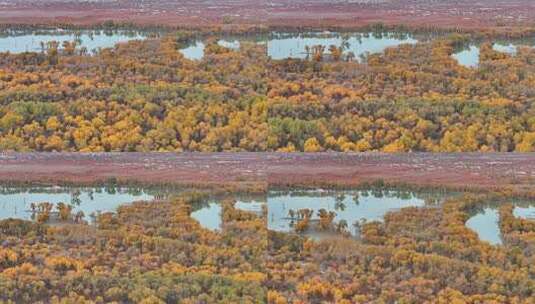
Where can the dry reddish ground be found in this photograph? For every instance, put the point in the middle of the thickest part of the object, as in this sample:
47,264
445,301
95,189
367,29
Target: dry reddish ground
456,170
182,168
444,13
433,169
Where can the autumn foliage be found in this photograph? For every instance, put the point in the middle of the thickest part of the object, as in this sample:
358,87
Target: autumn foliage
146,96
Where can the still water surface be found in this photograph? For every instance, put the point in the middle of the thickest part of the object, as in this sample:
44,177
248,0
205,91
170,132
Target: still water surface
283,45
486,224
469,56
30,40
349,205
16,202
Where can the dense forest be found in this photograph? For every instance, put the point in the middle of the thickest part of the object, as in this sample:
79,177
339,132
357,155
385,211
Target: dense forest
146,96
154,252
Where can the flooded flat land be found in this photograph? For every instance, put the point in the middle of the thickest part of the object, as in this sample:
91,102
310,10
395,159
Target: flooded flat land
247,151
302,45
268,174
20,202
485,220
27,202
292,209
279,45
350,207
37,40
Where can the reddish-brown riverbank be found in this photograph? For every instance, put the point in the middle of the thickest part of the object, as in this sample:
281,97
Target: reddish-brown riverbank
447,13
455,170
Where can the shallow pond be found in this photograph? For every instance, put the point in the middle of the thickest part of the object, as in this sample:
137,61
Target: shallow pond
250,206
30,40
469,56
209,216
291,45
485,222
349,205
195,50
16,202
282,45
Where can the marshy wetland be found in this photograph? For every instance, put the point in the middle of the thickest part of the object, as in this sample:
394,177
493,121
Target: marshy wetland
328,212
280,45
236,224
38,39
271,211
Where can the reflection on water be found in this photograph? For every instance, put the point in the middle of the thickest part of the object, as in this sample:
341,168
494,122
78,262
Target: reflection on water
486,225
286,45
209,216
505,48
350,206
231,44
195,50
525,212
30,41
469,56
209,213
17,202
485,222
282,45
250,206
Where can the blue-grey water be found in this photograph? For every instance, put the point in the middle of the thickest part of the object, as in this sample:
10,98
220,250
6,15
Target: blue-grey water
195,50
349,205
30,41
469,57
486,223
209,216
282,45
16,202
